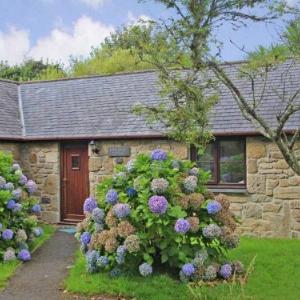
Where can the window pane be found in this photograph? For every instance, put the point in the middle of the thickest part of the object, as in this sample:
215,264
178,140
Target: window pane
75,162
206,161
232,165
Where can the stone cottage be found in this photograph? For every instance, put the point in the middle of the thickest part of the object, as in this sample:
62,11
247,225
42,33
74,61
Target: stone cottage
68,134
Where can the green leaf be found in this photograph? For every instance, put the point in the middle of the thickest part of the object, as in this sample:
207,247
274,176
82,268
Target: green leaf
177,212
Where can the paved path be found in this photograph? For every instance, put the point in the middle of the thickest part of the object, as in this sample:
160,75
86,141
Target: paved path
42,277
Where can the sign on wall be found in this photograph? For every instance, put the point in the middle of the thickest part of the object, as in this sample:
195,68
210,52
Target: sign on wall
123,151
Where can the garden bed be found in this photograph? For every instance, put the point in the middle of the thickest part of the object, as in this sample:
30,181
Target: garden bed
276,275
8,269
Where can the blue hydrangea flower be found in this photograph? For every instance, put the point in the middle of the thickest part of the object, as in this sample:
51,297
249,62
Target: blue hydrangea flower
111,197
188,269
36,209
17,194
115,272
98,215
225,271
9,186
120,259
85,238
37,231
11,204
145,269
158,204
23,180
24,255
158,154
91,260
131,192
17,207
213,207
121,210
102,261
7,235
2,182
89,205
31,186
121,252
182,226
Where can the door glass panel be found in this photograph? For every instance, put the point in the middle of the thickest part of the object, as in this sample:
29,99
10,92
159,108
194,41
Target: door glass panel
75,162
232,162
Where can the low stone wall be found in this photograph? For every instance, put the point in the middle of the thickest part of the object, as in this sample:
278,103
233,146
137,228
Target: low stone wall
41,163
101,165
271,206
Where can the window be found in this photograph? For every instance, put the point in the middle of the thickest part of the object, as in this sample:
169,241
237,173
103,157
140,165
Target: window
225,159
75,161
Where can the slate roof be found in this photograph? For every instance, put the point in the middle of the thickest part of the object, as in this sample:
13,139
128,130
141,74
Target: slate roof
100,106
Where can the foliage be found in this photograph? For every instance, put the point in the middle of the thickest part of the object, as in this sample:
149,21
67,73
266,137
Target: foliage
156,213
274,277
7,269
30,70
18,224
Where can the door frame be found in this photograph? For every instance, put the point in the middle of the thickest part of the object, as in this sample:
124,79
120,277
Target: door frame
63,195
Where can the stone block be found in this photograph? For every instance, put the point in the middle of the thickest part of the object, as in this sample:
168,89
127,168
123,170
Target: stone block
271,207
95,164
289,192
51,184
256,184
252,210
252,166
256,149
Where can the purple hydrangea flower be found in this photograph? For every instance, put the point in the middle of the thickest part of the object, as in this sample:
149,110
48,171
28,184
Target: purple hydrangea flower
17,194
9,254
36,209
11,204
188,269
213,207
23,180
85,238
121,210
24,255
89,205
131,192
111,197
17,207
31,186
145,269
182,226
2,182
121,251
7,234
194,171
225,271
158,154
9,186
158,204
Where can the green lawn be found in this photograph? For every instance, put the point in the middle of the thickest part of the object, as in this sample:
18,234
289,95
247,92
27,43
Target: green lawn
8,269
276,275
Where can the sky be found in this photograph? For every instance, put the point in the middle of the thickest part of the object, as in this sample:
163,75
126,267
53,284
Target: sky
55,30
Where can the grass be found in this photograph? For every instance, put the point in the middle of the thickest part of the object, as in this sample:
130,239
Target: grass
8,269
276,276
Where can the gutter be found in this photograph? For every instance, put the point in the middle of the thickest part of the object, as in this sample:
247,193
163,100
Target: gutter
119,137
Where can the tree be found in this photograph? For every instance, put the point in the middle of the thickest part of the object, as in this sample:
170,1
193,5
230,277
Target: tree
29,70
192,90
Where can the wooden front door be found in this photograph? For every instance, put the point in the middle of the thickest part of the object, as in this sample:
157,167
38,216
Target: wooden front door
74,180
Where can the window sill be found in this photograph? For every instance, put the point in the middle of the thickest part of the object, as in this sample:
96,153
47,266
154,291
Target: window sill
229,190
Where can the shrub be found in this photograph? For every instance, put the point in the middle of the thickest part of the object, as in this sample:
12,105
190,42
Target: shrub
18,210
155,212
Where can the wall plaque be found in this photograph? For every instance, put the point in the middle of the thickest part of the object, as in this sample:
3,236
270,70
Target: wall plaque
123,151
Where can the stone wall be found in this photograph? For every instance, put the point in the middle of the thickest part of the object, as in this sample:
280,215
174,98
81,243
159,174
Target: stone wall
40,162
12,148
271,206
101,165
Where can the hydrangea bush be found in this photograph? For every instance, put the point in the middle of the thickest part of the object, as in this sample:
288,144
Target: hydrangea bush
155,213
18,211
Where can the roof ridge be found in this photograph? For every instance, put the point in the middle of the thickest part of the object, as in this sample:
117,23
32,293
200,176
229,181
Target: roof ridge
9,81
